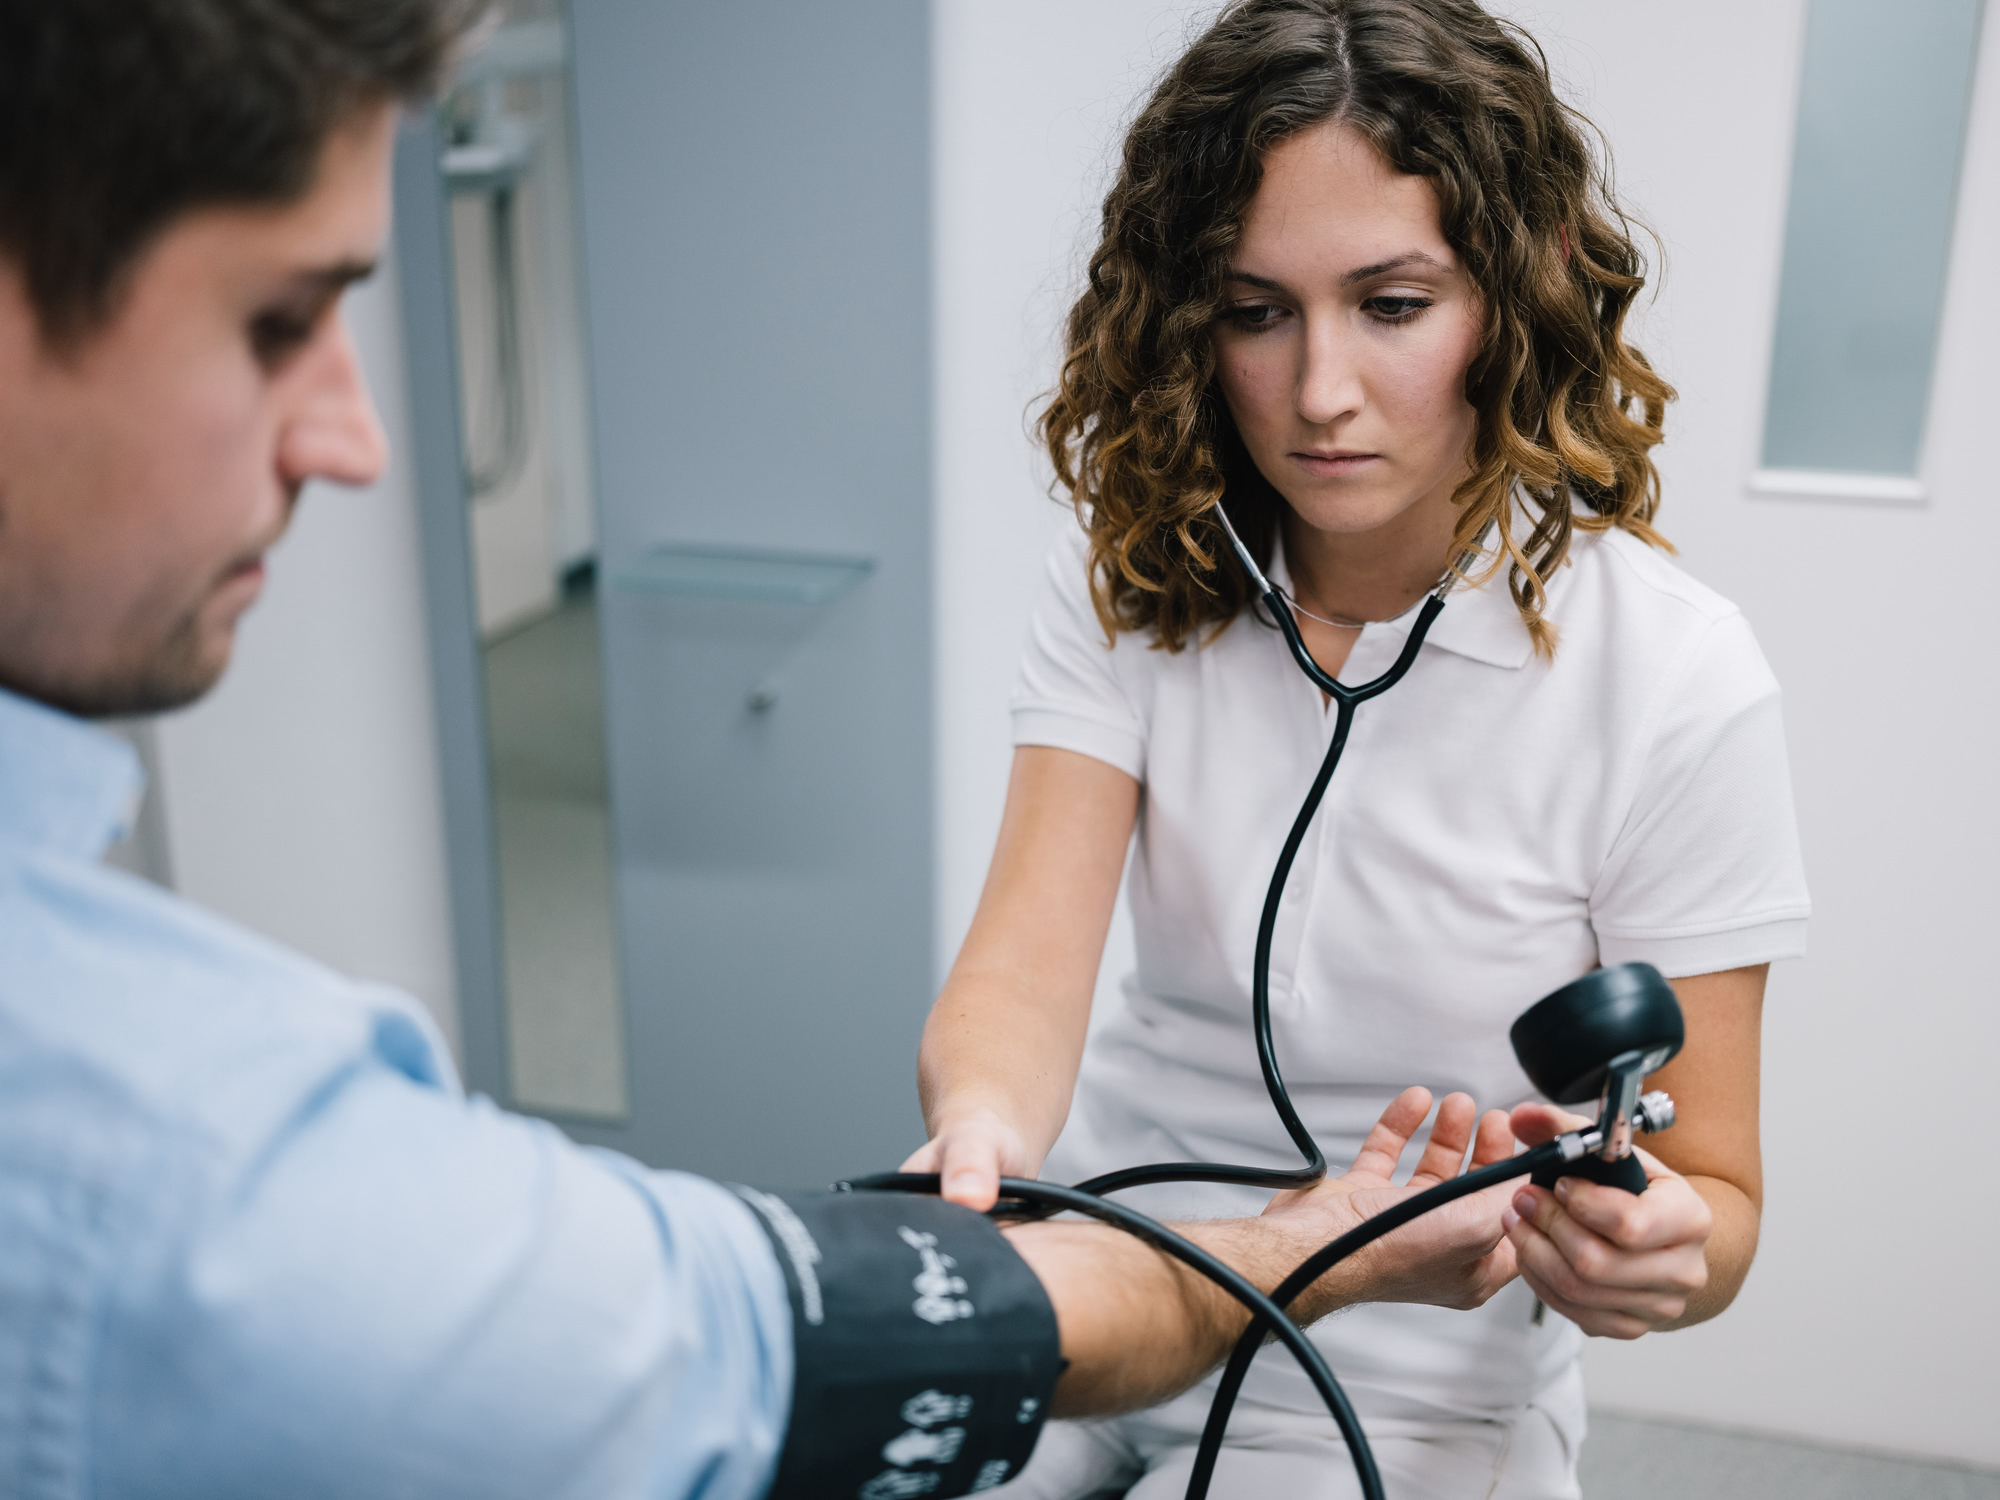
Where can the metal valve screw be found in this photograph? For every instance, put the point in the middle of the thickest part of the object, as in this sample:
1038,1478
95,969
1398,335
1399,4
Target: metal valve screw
1654,1113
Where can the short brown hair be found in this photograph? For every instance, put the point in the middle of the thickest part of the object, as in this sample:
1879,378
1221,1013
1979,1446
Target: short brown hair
118,116
1567,410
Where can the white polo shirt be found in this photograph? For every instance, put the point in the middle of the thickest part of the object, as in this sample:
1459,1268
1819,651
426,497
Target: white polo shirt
1499,825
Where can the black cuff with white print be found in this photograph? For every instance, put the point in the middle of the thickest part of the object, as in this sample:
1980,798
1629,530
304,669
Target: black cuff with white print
925,1351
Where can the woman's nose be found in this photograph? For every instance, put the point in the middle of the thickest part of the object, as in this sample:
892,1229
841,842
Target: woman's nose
1329,385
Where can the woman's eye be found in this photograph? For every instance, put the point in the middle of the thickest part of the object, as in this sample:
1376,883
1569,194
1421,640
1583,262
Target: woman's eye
1395,309
1255,315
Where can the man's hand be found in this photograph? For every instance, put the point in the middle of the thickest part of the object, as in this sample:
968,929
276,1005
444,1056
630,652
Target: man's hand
1138,1328
1455,1256
1616,1264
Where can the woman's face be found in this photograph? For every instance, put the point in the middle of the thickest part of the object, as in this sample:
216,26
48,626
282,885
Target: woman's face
1349,326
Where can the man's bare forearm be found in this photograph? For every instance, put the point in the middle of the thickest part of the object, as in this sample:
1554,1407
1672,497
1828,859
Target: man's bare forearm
1139,1327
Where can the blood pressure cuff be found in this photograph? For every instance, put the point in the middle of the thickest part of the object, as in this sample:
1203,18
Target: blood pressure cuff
925,1350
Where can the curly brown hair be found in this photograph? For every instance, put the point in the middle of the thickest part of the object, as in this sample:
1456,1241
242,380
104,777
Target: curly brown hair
1567,411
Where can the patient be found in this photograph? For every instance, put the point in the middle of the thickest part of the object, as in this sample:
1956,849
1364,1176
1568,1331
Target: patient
253,1239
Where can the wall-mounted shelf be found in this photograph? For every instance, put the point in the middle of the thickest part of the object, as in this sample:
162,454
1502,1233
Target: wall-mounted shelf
743,573
1882,489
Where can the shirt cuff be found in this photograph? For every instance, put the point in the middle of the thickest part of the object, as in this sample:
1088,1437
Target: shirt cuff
1064,729
1679,954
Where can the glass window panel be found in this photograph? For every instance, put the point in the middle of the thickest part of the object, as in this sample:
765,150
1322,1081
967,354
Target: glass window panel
1882,110
531,518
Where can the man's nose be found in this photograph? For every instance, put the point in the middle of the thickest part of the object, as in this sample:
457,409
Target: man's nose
333,432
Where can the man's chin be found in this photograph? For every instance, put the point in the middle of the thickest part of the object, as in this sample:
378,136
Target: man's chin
177,674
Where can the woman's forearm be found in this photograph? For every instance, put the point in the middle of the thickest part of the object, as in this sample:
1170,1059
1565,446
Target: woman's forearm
992,1044
1731,1247
1006,1034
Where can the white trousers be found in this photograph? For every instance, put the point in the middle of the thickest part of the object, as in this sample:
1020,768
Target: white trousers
1274,1454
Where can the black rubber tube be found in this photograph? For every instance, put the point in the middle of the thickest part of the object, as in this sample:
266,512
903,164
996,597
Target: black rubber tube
1324,1260
1038,1199
1264,1312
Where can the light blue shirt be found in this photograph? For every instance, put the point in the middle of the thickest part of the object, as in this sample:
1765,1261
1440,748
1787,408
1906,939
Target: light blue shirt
254,1240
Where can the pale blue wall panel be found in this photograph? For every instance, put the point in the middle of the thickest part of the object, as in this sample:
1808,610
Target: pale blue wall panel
1882,109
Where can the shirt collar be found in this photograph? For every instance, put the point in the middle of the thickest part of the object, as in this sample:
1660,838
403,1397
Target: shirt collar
1480,623
64,785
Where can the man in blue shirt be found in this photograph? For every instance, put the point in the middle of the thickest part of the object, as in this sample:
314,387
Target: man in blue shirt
254,1240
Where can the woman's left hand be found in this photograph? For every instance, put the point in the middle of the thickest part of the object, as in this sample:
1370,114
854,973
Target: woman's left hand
1616,1264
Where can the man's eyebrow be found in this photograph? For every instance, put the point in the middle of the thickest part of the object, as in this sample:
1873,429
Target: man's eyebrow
332,278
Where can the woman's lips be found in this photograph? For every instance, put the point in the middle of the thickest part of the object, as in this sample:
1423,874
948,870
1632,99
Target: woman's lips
1334,465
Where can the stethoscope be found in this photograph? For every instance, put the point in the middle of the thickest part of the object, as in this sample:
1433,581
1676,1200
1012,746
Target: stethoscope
1345,700
1596,1037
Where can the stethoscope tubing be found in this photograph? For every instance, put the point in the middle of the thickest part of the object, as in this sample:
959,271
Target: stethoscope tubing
1316,1266
1265,1312
1023,1198
1345,700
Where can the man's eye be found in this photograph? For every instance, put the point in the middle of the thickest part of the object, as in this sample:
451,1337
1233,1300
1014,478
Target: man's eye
276,334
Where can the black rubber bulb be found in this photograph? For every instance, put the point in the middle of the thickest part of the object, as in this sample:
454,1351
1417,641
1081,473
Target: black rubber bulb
1566,1043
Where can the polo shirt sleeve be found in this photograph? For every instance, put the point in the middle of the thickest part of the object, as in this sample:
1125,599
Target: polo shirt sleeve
1705,873
1071,693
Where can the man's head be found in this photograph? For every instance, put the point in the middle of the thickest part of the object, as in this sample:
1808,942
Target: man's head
186,186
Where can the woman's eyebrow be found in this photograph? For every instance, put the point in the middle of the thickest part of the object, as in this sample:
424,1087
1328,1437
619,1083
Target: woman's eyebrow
1394,263
1359,273
1265,282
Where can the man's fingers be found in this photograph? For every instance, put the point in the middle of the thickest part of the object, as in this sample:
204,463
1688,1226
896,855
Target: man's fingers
1495,1141
1401,1120
1450,1136
1535,1123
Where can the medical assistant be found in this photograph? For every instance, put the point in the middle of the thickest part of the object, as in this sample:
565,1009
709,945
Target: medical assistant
1501,824
254,1241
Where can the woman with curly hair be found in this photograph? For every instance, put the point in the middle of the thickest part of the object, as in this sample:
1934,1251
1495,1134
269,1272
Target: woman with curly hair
1362,284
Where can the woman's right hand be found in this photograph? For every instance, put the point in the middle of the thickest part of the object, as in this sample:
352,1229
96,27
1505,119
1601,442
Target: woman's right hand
971,1152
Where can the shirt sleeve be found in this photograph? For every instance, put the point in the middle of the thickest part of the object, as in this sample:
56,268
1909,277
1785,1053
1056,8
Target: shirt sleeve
402,1293
1705,873
1071,694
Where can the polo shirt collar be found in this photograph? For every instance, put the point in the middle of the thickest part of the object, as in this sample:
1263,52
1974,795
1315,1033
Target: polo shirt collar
65,786
1480,624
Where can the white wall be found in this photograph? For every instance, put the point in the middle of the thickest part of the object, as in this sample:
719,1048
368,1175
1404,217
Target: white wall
1031,97
302,796
1872,1307
1873,1310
